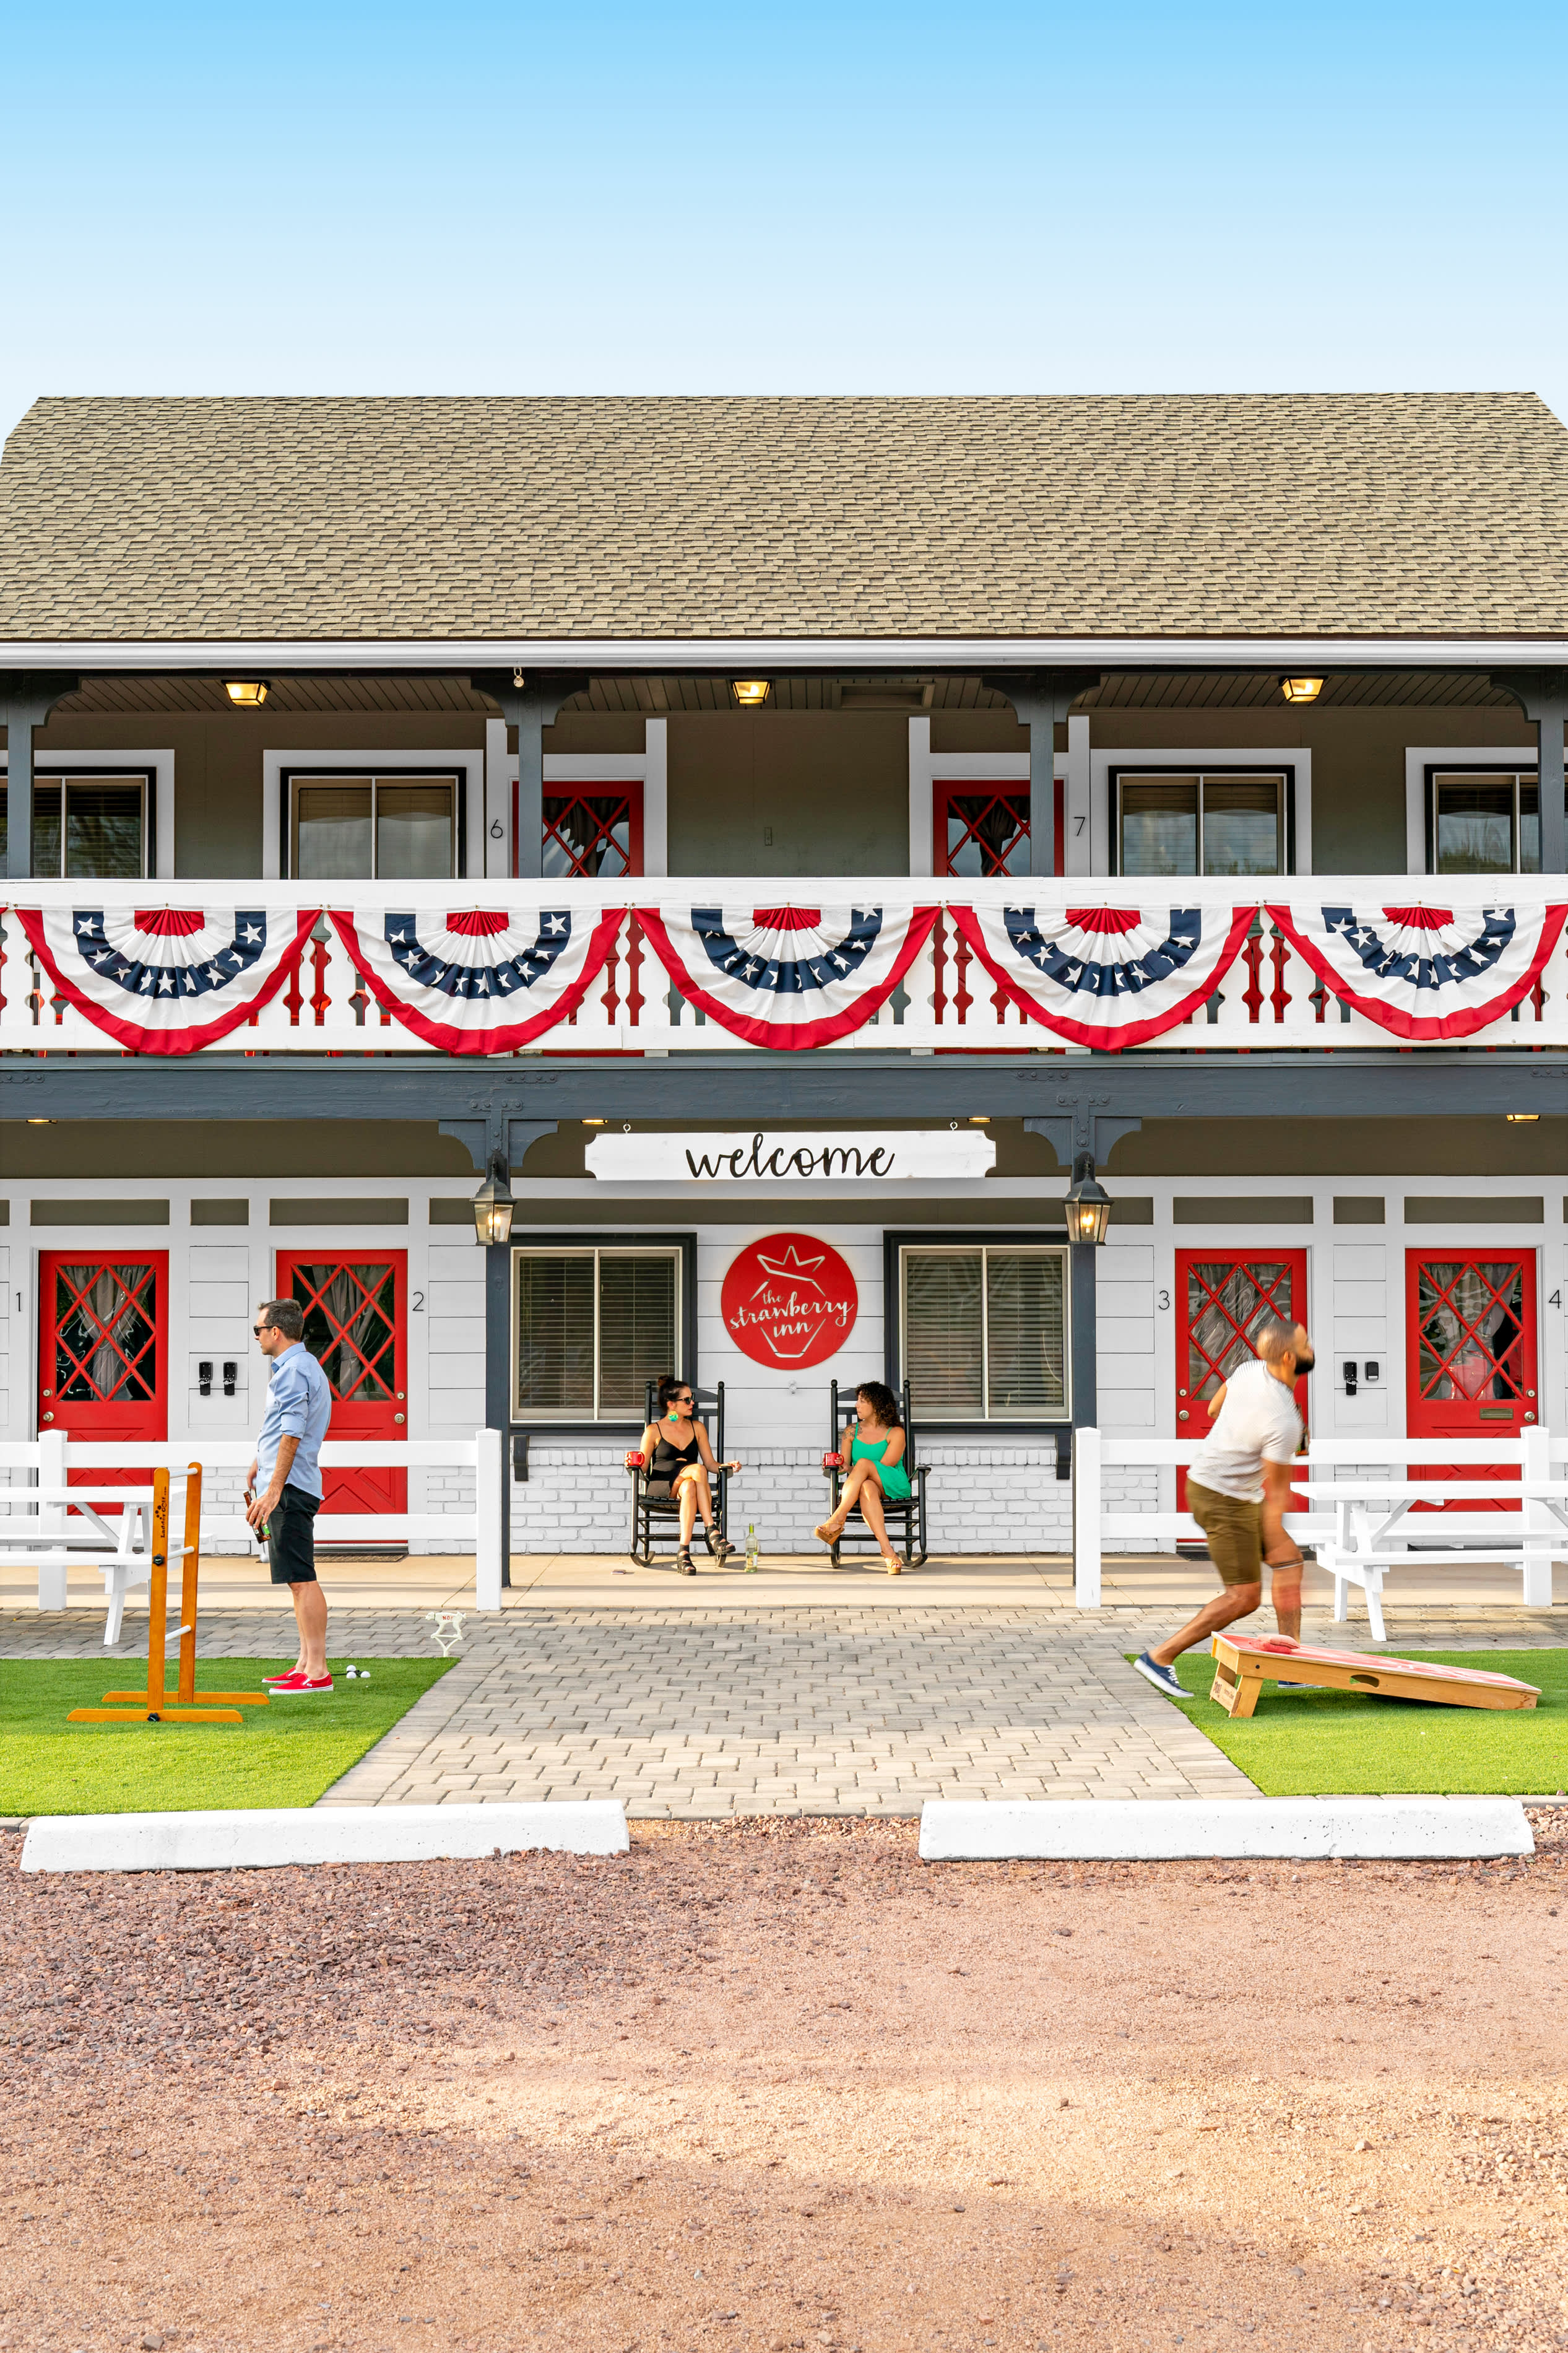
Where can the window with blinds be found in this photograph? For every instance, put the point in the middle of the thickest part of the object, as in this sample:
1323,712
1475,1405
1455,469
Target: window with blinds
592,1325
985,1332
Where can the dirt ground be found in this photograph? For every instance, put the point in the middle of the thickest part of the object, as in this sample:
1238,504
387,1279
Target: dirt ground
779,2086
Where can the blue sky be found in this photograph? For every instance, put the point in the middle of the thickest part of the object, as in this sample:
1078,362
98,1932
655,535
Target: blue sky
813,198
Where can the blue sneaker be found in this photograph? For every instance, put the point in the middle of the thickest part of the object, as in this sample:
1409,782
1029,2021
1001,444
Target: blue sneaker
1163,1678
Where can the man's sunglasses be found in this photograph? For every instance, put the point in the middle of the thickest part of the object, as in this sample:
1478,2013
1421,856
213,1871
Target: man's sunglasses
258,1329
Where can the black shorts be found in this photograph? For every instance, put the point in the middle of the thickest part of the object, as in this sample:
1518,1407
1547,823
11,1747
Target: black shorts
291,1544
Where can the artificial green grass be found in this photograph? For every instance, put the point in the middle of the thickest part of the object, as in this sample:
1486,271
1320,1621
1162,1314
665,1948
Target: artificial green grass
284,1754
1342,1743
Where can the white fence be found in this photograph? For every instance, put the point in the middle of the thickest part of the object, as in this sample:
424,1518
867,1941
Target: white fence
1269,998
1532,1454
49,1461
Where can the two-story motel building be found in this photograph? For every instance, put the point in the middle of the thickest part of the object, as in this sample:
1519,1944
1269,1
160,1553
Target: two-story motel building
945,792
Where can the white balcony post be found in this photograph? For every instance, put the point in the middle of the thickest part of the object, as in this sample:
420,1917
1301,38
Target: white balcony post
1539,1524
489,1447
1087,1512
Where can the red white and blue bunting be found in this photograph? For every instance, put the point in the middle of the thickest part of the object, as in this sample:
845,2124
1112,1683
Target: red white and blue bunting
480,980
788,976
1425,972
1107,977
168,980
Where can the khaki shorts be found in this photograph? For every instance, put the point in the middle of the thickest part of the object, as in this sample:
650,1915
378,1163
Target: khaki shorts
1235,1533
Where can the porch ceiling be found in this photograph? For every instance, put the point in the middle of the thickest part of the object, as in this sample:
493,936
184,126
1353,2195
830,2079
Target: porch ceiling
655,695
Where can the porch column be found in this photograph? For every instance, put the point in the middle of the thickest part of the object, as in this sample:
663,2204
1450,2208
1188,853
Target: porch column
491,1137
1542,695
1042,699
531,703
1080,1138
25,702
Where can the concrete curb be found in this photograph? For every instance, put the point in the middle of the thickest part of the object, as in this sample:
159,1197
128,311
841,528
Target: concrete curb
267,1836
1163,1829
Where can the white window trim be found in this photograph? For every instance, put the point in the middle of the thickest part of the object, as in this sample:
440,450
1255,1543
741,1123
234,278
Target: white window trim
158,855
1419,757
324,759
928,769
1181,762
649,768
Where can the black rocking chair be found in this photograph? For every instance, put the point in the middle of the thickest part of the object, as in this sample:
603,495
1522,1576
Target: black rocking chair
709,1409
908,1518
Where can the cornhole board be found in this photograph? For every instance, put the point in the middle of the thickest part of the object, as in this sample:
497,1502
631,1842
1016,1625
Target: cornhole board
1242,1667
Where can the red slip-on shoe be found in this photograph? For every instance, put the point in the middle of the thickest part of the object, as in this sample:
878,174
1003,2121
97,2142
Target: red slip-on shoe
289,1675
286,1685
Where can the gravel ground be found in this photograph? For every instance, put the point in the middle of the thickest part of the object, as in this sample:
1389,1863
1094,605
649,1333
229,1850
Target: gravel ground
778,2085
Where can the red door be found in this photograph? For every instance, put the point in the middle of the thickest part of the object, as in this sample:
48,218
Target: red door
1225,1304
1470,1357
103,1353
355,1306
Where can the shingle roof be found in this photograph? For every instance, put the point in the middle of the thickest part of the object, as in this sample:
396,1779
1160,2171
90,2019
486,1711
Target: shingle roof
1422,514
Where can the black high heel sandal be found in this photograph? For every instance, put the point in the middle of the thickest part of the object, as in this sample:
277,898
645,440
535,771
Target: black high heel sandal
684,1562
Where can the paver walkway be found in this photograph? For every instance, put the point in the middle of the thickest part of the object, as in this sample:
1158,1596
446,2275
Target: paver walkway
725,1709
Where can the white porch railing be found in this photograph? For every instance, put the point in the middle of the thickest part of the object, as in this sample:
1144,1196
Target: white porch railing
49,1459
1532,1454
1269,998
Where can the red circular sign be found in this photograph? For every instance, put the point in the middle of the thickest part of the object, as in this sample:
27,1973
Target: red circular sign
789,1302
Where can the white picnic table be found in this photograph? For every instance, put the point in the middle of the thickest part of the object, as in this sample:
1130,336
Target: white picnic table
1370,1517
34,1530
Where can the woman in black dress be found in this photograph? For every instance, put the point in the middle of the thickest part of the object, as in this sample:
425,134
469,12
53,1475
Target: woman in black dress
678,1461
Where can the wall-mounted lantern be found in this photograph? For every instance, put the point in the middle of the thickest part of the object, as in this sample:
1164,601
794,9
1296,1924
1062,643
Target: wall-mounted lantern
493,1206
1087,1204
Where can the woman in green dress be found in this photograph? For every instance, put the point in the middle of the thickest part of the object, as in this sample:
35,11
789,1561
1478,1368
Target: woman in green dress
873,1449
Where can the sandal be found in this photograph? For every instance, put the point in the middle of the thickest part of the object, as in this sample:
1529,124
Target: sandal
684,1562
892,1564
721,1547
825,1535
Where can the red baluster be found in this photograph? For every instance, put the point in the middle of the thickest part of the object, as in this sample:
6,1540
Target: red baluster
611,971
320,1000
938,966
1252,957
634,997
962,999
1280,995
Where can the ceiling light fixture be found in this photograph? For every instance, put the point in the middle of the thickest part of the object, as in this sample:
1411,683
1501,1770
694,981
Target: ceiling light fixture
751,692
247,694
1300,690
1521,1118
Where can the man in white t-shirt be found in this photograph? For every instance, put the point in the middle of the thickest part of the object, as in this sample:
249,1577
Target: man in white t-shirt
1238,1489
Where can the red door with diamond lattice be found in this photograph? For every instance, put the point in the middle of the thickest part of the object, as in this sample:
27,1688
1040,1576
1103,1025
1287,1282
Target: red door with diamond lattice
354,1305
1470,1357
590,830
103,1353
1227,1302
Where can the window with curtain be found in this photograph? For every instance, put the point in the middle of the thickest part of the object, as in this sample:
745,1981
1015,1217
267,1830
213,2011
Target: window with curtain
391,828
1172,823
592,1326
983,1331
1486,821
93,829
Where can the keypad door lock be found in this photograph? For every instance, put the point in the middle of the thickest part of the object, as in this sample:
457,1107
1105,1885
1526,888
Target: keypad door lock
230,1376
204,1378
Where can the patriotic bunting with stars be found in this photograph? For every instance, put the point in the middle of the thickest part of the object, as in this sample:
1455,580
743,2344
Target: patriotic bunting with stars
1422,972
788,976
1107,977
168,980
482,980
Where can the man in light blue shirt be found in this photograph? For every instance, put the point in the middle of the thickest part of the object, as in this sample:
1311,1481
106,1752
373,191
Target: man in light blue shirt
287,1469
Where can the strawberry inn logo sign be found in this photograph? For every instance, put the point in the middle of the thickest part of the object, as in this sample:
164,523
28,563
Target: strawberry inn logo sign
789,1300
788,1156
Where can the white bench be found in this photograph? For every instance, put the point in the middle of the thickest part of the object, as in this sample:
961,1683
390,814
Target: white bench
35,1532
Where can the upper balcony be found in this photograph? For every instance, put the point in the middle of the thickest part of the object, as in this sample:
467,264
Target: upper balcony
920,966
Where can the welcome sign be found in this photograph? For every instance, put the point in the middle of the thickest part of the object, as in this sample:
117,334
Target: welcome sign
782,1157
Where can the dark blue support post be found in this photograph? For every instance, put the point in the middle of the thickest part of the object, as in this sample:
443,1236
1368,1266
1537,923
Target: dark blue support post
1543,694
1042,700
530,704
499,1144
25,702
